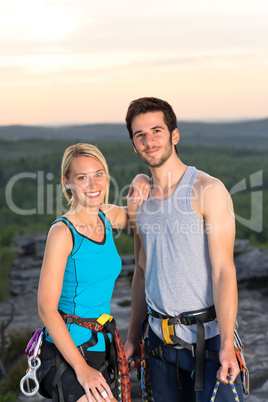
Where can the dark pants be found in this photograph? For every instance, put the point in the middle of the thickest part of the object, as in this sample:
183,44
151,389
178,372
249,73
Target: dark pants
164,380
72,390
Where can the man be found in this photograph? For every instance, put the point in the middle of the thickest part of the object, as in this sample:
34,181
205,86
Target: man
184,239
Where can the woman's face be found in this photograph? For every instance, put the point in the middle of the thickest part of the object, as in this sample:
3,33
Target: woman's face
87,181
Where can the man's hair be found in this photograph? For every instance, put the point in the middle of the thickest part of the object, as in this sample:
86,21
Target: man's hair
150,104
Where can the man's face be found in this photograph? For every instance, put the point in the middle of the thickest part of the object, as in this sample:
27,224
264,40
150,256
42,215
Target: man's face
151,138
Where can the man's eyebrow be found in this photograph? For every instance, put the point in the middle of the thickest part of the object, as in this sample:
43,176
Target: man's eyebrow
137,132
153,128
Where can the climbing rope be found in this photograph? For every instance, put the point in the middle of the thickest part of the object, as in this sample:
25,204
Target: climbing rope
217,386
146,391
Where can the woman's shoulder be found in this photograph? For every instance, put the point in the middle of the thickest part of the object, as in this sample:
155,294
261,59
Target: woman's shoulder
117,216
60,227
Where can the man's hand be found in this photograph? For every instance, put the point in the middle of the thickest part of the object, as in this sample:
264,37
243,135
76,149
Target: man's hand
131,350
228,363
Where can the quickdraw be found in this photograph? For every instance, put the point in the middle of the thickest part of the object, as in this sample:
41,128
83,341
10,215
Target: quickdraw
32,351
239,351
214,393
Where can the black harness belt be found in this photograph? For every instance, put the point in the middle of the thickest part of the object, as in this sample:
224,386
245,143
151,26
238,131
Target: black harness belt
198,317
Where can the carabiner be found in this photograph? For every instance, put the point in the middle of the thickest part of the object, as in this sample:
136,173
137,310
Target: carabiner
38,345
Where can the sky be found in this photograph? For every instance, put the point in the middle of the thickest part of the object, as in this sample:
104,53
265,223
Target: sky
84,61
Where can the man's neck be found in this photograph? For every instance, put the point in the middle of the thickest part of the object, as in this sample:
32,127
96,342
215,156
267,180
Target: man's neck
167,177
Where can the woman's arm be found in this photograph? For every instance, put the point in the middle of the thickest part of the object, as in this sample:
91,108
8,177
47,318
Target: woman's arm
139,188
58,247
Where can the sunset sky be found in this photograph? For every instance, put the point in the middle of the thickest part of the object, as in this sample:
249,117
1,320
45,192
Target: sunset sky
83,61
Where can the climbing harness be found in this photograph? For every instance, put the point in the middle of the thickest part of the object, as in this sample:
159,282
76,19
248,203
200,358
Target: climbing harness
32,351
214,393
106,325
198,317
115,355
199,353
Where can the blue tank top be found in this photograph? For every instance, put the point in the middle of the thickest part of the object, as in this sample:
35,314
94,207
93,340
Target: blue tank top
91,270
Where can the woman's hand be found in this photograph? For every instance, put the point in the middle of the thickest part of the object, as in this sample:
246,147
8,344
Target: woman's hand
139,188
94,384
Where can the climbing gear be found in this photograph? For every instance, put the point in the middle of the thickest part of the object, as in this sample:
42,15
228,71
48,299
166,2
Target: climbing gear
199,353
145,371
198,317
144,374
116,354
115,358
239,351
214,393
32,351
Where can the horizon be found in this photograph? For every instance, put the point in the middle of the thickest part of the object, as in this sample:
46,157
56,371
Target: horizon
205,121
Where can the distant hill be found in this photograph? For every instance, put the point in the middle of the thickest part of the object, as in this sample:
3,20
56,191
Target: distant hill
251,133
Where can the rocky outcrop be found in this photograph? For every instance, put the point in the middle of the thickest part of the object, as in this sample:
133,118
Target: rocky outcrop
252,274
251,263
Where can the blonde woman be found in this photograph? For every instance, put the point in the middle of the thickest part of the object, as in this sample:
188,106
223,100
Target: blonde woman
77,278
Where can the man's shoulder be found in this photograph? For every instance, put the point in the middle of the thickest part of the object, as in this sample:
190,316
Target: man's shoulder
204,180
209,190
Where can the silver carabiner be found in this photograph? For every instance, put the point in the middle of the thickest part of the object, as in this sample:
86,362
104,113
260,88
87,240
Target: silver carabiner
34,364
38,346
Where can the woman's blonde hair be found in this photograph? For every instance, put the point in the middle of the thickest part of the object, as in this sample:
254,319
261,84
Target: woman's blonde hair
82,149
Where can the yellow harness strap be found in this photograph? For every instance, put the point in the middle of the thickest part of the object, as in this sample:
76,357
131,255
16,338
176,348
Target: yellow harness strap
167,331
104,318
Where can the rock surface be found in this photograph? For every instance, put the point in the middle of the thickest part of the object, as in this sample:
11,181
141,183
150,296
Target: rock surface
252,275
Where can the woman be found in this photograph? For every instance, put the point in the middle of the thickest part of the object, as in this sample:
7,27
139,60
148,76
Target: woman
79,269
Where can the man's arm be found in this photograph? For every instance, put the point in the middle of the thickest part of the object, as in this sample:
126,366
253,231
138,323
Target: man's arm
138,305
220,224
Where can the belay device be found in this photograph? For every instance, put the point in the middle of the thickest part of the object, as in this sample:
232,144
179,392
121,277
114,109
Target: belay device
32,351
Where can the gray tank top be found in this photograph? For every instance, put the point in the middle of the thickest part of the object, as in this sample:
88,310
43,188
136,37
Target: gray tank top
178,270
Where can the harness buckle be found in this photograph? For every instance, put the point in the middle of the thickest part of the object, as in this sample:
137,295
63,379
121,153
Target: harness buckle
104,319
69,320
81,349
167,331
158,352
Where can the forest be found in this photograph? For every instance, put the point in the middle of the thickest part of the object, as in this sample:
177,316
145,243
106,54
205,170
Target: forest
30,194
